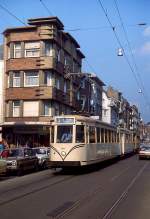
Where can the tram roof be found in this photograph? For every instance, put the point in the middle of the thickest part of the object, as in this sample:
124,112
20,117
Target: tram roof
85,119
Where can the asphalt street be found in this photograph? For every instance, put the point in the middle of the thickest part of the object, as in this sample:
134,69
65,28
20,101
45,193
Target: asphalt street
117,190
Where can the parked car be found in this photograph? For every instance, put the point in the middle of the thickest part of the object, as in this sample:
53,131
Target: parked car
144,152
20,159
42,153
3,166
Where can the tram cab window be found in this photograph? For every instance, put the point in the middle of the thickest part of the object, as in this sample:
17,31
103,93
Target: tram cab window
92,134
80,136
52,134
64,134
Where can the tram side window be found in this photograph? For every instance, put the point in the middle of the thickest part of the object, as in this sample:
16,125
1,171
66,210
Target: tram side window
109,136
106,135
64,134
80,137
52,134
102,135
118,139
98,134
92,134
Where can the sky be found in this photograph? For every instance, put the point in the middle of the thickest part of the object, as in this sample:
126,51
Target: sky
87,23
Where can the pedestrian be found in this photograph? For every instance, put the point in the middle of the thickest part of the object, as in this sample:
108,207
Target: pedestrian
1,147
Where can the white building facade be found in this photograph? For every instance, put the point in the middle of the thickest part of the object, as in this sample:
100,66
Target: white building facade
109,110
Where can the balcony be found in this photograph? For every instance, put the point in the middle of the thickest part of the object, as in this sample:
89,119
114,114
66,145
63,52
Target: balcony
37,93
26,63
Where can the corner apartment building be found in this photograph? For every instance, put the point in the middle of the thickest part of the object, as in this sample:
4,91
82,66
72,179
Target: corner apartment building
37,59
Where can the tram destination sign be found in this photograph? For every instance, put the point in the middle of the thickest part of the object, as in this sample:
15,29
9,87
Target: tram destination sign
65,120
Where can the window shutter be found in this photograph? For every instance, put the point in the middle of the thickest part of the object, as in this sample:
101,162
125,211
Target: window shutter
42,49
21,78
10,79
11,50
10,109
41,78
41,108
21,108
22,49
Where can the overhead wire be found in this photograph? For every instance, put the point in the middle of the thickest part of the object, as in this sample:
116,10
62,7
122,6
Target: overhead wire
10,13
132,55
47,9
120,44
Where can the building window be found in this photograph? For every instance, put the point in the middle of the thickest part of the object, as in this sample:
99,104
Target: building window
58,55
48,78
82,83
32,49
16,79
31,79
17,50
16,108
57,83
48,49
78,95
65,87
47,108
57,110
31,108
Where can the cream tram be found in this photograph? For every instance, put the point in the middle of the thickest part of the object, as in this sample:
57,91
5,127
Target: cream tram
79,141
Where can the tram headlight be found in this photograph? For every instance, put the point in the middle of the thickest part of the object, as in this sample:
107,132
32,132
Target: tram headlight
63,153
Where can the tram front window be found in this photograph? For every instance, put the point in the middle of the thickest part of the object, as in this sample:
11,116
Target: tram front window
64,134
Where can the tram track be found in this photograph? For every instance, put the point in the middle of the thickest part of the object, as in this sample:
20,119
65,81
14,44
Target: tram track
33,191
67,208
124,194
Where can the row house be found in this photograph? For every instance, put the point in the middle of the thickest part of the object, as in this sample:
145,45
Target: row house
110,110
38,59
90,95
124,109
134,118
144,132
